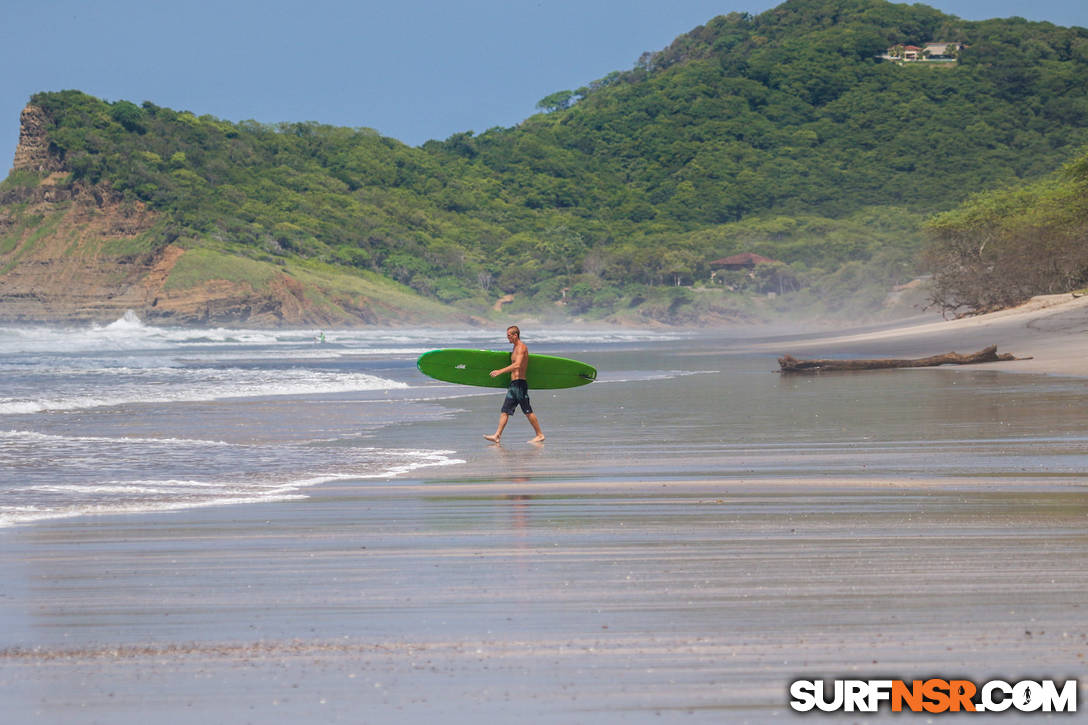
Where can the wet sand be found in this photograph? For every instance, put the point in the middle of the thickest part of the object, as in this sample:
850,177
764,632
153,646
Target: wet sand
657,576
577,602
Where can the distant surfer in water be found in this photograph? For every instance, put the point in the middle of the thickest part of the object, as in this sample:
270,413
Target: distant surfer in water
518,392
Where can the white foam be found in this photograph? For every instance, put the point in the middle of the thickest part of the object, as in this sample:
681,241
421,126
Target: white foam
128,322
153,496
634,376
35,436
173,385
127,489
431,458
130,333
29,515
67,468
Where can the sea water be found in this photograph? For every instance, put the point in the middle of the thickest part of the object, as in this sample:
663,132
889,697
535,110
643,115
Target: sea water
128,417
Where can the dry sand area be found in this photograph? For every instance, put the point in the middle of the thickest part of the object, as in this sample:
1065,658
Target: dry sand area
1052,330
471,595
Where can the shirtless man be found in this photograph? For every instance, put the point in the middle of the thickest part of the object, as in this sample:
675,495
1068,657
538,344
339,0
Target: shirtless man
518,392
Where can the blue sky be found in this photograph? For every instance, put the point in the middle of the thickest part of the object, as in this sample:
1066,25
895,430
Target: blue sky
413,70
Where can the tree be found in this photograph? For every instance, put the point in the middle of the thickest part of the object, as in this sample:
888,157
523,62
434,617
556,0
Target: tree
1002,247
561,247
129,115
558,101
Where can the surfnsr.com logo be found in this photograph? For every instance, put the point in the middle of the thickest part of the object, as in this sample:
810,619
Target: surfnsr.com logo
933,695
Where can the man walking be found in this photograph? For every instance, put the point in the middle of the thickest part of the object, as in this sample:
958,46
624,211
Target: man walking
518,392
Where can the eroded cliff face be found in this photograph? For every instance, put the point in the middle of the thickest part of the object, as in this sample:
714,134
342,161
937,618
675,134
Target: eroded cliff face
32,153
55,264
77,253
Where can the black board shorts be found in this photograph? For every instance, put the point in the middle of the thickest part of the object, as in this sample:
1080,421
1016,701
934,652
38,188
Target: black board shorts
517,394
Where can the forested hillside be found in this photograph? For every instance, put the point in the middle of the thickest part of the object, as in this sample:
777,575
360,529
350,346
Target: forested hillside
1002,247
782,134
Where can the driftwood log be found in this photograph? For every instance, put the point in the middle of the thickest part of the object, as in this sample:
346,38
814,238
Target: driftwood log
790,364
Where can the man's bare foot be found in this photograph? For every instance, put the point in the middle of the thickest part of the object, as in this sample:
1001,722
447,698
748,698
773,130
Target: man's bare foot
538,439
493,439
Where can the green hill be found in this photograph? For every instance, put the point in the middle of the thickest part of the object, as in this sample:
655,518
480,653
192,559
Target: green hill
782,134
1002,247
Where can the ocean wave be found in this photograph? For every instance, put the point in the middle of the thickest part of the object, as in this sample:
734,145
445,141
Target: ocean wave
128,386
43,437
54,500
12,516
637,376
130,333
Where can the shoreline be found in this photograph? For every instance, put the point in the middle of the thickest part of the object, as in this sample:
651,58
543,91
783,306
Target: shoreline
682,546
1052,329
556,602
1045,326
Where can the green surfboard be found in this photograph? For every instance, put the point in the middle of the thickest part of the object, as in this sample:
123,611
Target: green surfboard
473,367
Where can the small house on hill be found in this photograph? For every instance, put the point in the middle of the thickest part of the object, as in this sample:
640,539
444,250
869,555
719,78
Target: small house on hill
778,280
941,50
937,52
911,52
744,260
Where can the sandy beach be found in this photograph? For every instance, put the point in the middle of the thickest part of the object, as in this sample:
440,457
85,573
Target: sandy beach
676,551
1051,329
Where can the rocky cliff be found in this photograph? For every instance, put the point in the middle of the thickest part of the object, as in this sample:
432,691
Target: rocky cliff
32,153
78,253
